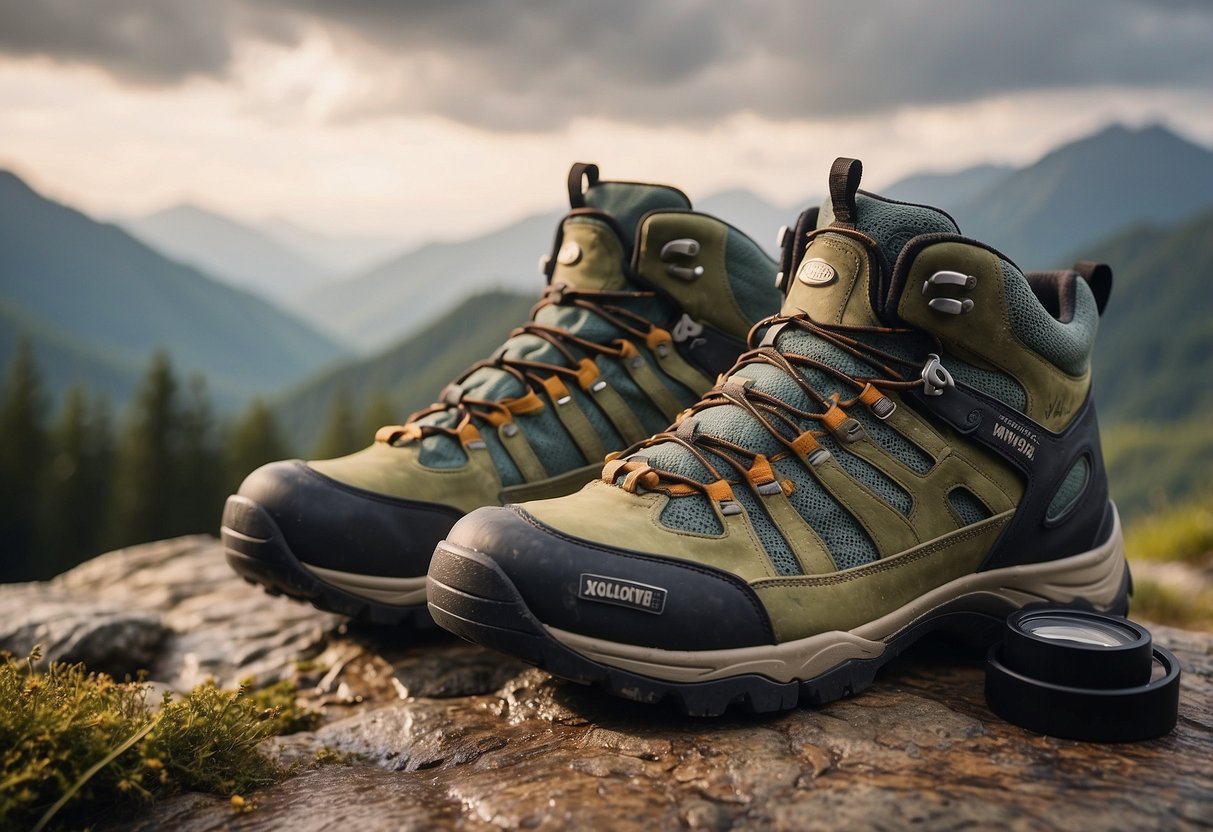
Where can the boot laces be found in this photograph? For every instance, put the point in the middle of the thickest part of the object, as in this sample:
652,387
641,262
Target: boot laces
782,420
530,374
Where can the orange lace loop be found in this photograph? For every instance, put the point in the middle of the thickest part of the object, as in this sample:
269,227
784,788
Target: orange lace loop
391,434
761,472
587,373
636,474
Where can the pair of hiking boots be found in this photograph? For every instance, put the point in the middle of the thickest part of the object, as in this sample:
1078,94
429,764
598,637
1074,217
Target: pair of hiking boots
888,432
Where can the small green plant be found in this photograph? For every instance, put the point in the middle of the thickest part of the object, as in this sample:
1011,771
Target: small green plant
1161,604
1182,532
279,706
74,744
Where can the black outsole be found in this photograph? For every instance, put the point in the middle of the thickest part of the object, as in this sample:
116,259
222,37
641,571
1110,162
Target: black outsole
471,596
255,548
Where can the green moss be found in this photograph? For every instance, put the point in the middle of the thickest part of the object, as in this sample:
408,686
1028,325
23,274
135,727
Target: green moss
74,745
1164,605
279,705
1183,532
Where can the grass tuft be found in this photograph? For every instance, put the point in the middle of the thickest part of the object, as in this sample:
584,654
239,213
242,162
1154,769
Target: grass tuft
1183,532
76,745
1161,604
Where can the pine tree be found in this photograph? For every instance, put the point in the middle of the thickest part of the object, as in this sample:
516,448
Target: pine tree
378,412
146,473
199,469
76,485
22,455
253,441
339,437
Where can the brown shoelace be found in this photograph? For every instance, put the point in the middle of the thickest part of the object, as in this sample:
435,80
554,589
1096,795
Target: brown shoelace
775,415
532,374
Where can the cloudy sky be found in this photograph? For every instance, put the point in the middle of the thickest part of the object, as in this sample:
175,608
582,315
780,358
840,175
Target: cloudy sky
420,118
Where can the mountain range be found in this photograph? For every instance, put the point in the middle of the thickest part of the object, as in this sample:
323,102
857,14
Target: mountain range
229,250
1085,190
127,298
94,303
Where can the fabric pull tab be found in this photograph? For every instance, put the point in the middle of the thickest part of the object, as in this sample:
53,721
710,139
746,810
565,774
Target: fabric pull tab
1099,278
582,177
844,183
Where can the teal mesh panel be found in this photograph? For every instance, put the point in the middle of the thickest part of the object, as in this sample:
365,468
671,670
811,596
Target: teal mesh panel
1071,488
597,419
442,452
670,457
751,276
914,457
847,542
684,394
970,509
627,202
445,452
691,514
776,546
616,376
893,225
1068,346
869,475
551,442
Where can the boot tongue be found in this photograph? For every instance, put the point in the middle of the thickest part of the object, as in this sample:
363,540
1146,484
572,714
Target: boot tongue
596,237
830,283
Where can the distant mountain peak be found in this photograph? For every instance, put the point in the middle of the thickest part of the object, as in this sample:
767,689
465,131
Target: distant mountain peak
1089,188
96,301
10,181
1125,138
191,211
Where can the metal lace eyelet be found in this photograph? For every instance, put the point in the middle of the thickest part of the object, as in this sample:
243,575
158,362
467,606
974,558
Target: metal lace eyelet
935,377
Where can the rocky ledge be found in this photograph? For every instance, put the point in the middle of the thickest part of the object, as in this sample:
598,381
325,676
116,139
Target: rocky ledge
442,734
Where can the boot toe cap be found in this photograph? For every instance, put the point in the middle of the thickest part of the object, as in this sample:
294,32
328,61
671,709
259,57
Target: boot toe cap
612,593
334,525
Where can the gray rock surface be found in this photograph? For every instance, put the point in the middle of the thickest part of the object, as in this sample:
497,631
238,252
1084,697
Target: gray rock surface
446,735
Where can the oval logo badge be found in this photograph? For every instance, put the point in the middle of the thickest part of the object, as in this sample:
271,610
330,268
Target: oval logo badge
569,253
816,272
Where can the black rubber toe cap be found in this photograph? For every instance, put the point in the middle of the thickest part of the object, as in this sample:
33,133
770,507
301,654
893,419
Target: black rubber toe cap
337,526
615,594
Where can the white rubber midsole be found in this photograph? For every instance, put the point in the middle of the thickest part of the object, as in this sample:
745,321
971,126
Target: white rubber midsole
398,592
1095,575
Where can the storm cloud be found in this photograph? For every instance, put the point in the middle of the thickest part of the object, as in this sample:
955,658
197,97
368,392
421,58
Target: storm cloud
515,65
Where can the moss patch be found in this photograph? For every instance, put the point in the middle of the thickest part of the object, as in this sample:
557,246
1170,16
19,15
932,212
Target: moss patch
78,746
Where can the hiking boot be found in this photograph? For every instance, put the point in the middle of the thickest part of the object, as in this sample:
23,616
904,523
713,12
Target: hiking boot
646,303
910,445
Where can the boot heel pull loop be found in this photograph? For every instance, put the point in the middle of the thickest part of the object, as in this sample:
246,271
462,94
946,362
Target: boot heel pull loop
1099,278
582,177
844,183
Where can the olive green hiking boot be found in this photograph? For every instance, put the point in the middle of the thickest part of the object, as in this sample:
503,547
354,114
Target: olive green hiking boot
646,302
909,446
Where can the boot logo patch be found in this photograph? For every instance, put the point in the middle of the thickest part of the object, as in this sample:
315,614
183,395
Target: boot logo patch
1017,436
606,590
816,272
